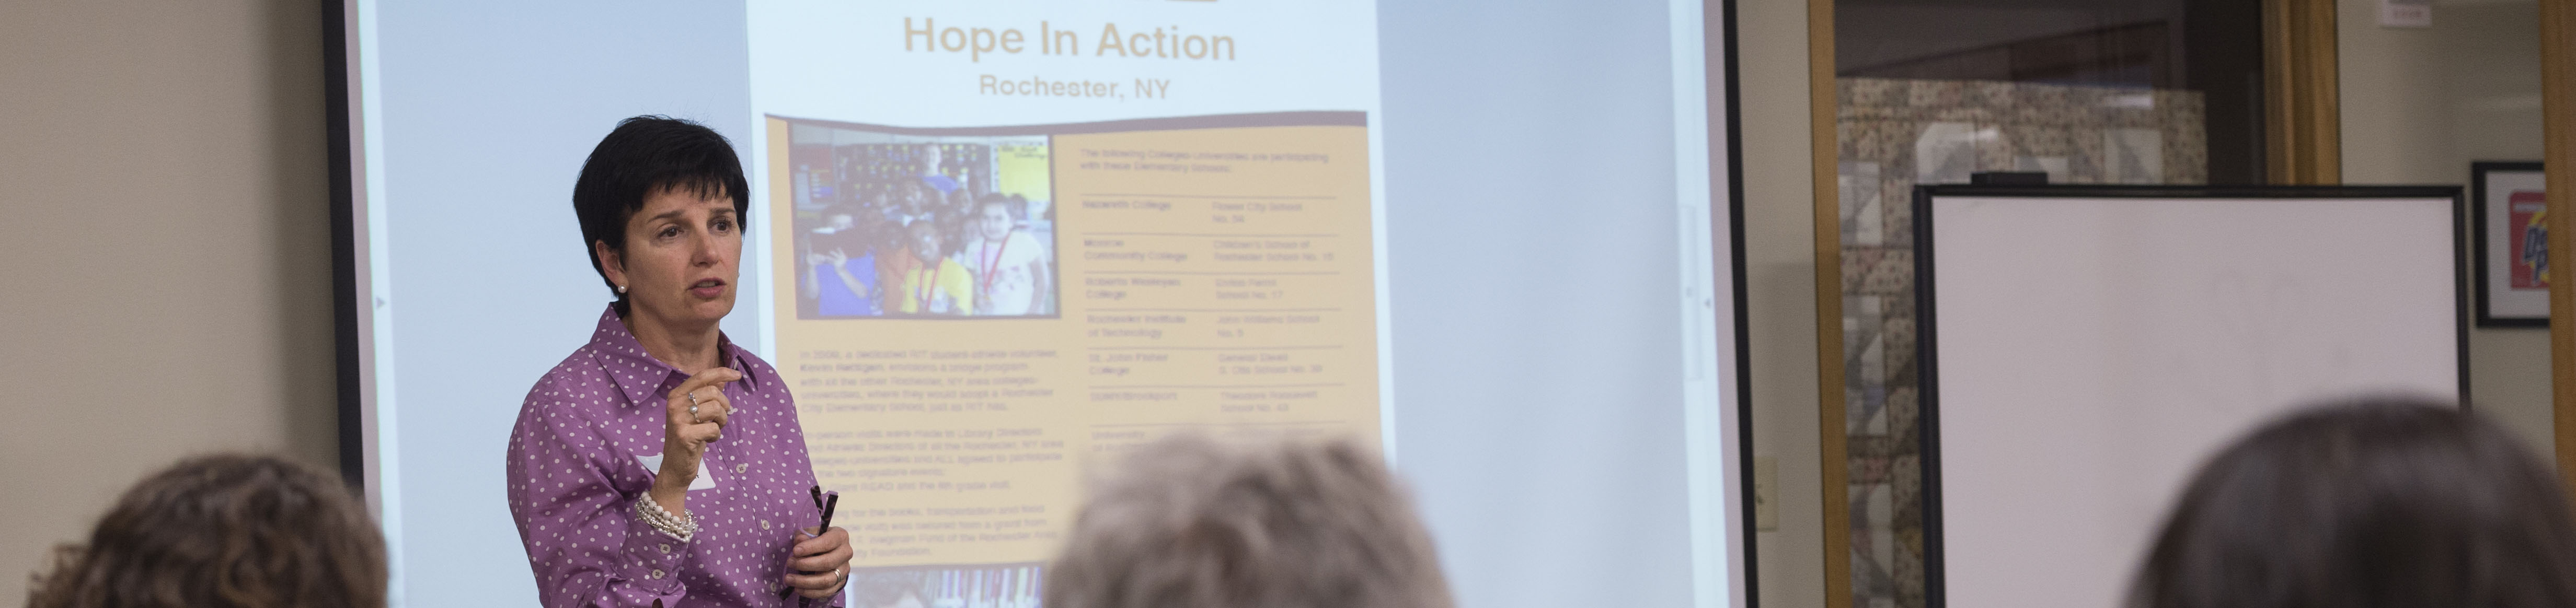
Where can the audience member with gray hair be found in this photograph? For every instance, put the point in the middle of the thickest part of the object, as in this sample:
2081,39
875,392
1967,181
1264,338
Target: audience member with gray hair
1192,523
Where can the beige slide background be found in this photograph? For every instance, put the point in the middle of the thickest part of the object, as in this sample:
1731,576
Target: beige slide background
1213,280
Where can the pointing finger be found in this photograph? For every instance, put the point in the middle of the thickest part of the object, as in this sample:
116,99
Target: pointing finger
714,376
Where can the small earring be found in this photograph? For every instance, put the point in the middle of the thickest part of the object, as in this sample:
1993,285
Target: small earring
621,289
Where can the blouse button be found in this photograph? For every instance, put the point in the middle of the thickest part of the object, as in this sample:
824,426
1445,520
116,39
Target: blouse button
740,467
666,549
657,573
764,524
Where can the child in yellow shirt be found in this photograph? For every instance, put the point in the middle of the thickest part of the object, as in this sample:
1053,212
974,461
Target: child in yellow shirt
930,282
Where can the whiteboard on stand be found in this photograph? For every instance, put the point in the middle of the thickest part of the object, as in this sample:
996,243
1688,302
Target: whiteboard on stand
2084,349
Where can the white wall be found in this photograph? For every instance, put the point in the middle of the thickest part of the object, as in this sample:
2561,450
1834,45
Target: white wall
2417,106
168,258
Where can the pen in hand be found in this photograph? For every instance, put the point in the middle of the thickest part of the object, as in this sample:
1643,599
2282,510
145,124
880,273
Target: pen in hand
827,501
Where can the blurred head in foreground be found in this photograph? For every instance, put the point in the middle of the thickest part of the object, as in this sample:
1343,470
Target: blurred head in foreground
1191,523
225,531
2382,502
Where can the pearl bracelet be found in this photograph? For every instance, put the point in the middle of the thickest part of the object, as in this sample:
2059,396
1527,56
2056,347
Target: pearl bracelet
677,527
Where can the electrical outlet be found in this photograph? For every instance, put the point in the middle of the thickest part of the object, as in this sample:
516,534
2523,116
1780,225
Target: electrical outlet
1766,494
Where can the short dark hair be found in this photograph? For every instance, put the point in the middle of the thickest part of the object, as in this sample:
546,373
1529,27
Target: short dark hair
2377,502
229,531
644,156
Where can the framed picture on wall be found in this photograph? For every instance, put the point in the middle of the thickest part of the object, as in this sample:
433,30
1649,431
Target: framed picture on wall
2512,244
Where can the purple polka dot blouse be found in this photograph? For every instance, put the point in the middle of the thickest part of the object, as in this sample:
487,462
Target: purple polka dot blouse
576,469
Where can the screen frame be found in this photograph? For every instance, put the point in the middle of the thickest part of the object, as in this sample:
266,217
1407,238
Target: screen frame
339,84
353,324
1719,31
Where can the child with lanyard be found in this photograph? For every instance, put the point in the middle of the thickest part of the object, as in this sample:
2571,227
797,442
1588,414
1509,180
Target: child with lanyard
930,282
1009,264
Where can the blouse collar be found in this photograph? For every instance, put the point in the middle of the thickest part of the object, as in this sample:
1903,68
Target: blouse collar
617,346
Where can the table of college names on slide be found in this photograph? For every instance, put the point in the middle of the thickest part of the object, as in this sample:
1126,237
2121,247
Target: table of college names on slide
1209,274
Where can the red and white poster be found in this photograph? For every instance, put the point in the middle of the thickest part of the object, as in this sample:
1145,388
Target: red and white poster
2530,240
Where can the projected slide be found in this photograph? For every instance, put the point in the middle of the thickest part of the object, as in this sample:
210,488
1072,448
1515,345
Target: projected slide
994,243
970,304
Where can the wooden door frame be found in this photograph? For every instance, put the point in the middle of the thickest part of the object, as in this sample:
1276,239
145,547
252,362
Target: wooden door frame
1825,142
2302,126
2558,165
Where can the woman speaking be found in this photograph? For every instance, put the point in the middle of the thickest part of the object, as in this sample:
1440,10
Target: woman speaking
660,465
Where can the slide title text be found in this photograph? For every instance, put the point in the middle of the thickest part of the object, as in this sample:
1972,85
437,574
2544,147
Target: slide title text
1160,42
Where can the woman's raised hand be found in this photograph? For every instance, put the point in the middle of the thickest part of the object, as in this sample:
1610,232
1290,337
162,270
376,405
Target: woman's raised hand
694,417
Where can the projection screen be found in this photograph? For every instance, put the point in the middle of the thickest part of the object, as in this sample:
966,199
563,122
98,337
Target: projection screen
1494,241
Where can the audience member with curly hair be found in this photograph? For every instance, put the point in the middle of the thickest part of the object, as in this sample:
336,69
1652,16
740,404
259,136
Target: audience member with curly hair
224,531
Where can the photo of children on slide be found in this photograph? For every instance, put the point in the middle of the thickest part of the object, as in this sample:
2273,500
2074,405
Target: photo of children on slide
892,226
